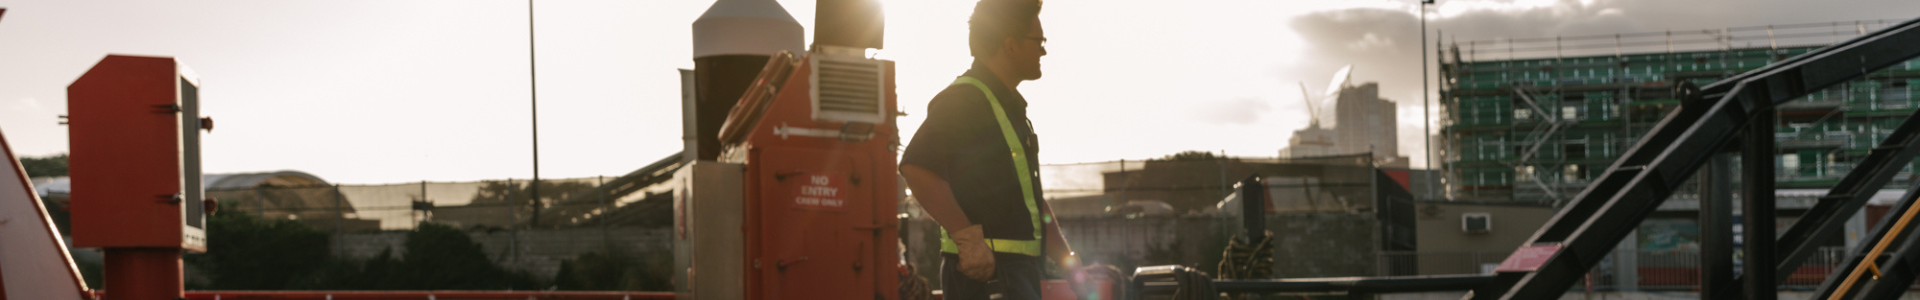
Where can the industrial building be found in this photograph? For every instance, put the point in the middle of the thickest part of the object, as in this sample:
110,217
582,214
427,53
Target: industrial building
1535,120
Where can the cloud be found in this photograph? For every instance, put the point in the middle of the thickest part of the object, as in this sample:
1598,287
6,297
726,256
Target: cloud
1368,42
1238,111
27,107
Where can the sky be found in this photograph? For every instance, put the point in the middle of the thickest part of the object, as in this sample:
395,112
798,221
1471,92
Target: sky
364,91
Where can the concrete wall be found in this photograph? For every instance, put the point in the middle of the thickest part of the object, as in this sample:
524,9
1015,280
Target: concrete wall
1439,226
1446,249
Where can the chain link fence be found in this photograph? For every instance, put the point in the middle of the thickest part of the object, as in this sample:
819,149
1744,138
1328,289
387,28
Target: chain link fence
1121,213
480,205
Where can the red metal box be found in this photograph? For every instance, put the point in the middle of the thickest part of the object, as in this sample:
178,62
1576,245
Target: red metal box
133,132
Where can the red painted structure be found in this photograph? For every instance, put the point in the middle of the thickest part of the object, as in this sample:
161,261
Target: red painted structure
821,194
417,295
131,122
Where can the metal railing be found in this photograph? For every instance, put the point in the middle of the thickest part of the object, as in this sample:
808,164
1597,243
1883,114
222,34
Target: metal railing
1677,269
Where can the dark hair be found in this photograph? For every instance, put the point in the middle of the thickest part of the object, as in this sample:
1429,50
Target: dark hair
996,20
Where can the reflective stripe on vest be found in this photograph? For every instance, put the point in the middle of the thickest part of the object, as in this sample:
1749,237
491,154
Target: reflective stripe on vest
1024,173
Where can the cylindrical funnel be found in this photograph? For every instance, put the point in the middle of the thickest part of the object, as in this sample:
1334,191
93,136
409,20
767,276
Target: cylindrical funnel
731,42
849,23
747,27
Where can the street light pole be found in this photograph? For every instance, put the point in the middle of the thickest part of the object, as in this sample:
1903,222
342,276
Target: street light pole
1426,111
533,93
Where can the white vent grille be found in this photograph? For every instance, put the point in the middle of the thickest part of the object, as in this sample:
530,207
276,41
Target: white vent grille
848,89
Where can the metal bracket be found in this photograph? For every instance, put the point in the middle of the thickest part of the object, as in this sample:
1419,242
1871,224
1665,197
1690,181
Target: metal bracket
847,132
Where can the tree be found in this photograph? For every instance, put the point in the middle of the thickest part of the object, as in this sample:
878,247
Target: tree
556,194
1189,155
437,257
50,166
614,269
444,258
247,253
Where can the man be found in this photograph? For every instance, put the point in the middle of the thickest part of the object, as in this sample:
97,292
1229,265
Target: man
972,164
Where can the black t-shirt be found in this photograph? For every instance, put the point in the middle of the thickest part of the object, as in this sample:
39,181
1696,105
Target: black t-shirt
962,142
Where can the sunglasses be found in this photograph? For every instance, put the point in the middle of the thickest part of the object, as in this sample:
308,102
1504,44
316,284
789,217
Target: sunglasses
1042,40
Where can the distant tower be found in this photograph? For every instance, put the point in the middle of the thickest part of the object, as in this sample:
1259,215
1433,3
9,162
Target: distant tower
1367,123
731,42
1312,141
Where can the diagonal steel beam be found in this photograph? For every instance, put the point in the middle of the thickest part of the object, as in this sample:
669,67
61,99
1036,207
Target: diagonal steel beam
1533,105
1599,217
1900,268
1538,136
1894,269
1829,216
1541,133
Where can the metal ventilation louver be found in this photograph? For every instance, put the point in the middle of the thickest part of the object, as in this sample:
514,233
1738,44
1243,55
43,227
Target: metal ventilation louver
1474,223
848,89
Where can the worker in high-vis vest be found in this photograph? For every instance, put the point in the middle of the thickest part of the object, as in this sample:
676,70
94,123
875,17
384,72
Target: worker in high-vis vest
972,164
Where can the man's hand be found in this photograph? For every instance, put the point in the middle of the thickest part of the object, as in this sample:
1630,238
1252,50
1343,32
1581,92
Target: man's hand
1076,276
976,260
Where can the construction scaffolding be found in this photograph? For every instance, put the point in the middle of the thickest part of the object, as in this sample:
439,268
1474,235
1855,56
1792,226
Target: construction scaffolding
1536,120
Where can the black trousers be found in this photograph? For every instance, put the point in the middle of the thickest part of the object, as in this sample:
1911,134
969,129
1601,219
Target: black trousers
1016,277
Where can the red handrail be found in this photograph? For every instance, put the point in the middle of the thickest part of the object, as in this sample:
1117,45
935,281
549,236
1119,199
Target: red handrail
421,295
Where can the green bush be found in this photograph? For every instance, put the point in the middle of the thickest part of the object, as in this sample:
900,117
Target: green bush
445,258
246,253
49,166
613,269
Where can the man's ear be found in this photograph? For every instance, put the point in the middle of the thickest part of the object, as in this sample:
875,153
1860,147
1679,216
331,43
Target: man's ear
1009,44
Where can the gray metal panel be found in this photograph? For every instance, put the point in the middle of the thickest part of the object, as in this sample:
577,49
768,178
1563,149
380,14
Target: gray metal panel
193,214
688,101
710,206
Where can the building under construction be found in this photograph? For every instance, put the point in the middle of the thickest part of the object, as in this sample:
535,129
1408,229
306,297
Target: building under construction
1535,120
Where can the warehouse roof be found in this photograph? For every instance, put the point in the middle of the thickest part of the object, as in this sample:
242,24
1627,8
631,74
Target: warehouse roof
230,181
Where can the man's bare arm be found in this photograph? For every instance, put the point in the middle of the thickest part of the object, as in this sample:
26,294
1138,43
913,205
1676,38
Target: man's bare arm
935,196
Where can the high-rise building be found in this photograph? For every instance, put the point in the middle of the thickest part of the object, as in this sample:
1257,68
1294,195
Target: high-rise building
1313,141
1362,123
1543,117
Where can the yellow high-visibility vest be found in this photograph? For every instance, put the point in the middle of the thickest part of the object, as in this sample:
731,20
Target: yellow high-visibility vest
1022,171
